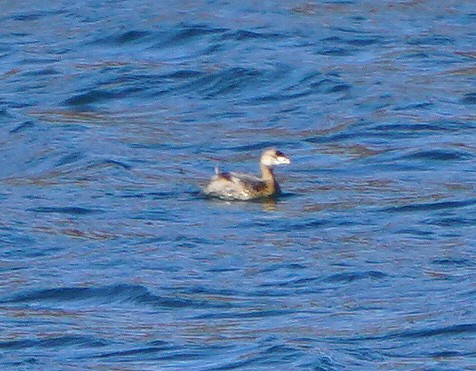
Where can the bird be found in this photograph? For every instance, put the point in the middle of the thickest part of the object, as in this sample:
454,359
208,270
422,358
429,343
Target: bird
239,186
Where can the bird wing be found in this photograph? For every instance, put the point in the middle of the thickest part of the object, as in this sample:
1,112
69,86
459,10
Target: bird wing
248,181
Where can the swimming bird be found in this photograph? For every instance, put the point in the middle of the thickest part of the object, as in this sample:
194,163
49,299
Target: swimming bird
239,186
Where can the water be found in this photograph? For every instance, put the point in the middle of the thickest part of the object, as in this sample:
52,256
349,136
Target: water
113,114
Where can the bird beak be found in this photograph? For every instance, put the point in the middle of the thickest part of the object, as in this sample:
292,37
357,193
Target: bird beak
282,160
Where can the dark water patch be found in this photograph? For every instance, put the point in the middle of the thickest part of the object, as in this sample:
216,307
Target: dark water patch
101,95
223,270
61,295
55,342
285,196
356,276
417,232
251,313
339,88
414,106
421,129
449,354
332,40
186,33
9,239
348,29
69,158
40,61
164,195
462,329
415,56
246,35
24,126
108,163
287,353
237,365
313,79
121,293
163,351
36,15
66,210
185,356
335,52
451,222
430,40
28,362
309,85
286,266
469,98
192,242
439,155
73,340
452,262
275,352
28,17
130,36
342,43
365,355
124,38
432,206
182,74
42,72
325,84
224,82
214,291
91,97
131,194
307,283
3,111
342,134
363,42
447,331
137,351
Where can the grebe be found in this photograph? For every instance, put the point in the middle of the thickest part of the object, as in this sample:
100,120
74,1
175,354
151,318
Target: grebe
238,186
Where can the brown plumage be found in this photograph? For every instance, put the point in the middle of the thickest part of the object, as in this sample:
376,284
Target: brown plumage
238,186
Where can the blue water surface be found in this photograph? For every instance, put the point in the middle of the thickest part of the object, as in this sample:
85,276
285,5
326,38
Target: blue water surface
112,116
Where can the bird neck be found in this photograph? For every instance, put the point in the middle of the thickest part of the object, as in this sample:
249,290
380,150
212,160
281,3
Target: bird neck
267,174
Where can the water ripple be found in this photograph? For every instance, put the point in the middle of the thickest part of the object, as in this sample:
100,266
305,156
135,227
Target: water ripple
113,116
432,206
65,210
55,342
115,293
